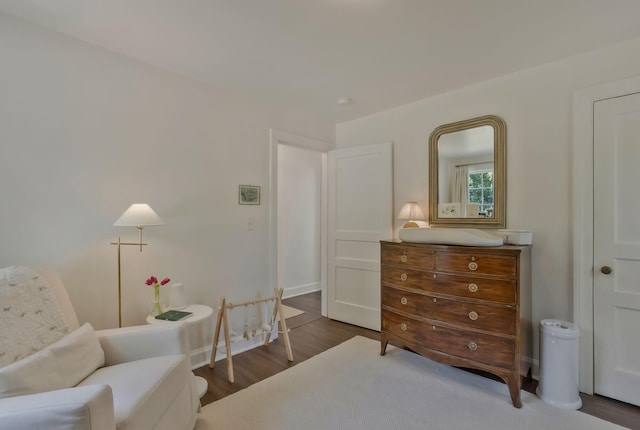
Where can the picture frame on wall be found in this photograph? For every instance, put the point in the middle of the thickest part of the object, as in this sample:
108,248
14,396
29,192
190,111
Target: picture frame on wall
249,195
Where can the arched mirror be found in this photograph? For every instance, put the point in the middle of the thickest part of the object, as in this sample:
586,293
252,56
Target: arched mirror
467,173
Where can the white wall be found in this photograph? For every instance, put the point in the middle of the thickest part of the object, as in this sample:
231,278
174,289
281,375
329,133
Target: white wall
85,132
536,106
299,196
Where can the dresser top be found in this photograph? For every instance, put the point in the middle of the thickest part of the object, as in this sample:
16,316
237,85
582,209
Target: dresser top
458,248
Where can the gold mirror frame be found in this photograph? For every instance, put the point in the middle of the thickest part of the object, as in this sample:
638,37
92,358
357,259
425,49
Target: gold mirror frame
500,173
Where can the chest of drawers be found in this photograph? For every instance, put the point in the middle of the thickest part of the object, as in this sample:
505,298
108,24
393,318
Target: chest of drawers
463,306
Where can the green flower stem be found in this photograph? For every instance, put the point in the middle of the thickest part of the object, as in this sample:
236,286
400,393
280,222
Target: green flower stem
156,299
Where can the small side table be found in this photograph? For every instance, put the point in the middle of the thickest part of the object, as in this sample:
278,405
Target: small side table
200,337
200,332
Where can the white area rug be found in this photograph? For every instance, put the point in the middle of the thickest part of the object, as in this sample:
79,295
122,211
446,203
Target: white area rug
289,312
352,387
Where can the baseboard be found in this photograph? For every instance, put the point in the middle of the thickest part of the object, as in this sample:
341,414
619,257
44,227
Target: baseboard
300,290
241,344
527,363
200,357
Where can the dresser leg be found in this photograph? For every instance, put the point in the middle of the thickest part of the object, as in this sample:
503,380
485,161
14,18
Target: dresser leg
383,345
514,390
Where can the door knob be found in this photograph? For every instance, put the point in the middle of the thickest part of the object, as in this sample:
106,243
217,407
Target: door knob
606,270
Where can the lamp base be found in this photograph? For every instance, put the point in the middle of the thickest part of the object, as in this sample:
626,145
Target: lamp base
410,224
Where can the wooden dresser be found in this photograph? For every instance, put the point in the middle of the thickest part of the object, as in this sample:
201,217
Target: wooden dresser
463,306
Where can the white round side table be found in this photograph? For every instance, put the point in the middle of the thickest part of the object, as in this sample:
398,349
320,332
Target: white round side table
200,337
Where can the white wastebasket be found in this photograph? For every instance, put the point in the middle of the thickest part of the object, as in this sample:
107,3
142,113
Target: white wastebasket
559,344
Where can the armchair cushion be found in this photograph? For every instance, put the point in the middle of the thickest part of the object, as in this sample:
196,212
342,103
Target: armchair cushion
62,364
141,388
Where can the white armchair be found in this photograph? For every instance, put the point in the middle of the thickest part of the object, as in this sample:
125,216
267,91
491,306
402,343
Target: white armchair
131,378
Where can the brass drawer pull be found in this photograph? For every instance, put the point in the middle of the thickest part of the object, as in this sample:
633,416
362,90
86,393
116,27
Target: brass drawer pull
435,300
403,327
403,300
403,277
473,266
403,258
473,346
473,316
473,288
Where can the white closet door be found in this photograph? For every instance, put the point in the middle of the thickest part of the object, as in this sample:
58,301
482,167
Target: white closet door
360,215
616,256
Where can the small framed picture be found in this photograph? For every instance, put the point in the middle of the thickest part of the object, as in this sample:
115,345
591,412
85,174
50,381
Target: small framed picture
449,210
249,195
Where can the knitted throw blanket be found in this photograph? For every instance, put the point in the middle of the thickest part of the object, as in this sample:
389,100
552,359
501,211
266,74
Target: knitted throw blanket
29,315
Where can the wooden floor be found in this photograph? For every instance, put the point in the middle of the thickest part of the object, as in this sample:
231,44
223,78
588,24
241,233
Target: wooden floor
312,334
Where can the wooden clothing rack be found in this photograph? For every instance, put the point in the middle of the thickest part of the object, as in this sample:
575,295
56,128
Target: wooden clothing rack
222,322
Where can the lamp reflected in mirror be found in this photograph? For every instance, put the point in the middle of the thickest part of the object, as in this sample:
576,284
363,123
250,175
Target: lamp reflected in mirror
411,212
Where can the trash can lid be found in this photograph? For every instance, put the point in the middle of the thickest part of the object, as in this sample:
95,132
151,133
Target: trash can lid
558,328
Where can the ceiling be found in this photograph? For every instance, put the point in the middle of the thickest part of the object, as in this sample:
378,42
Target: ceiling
307,54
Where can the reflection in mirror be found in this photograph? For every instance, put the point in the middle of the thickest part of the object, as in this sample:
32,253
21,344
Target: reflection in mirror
467,173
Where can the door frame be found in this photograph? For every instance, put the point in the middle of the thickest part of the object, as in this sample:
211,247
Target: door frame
278,137
583,224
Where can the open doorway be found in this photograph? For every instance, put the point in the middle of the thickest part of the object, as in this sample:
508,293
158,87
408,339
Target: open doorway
298,214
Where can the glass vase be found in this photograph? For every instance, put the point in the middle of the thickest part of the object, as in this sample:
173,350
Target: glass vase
157,306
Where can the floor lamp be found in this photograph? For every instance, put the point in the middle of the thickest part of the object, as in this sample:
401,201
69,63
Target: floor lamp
139,215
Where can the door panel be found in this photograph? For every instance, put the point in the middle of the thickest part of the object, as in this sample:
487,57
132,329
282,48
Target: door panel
360,215
617,245
361,289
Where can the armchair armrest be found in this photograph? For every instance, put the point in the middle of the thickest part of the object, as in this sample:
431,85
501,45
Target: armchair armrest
89,407
125,344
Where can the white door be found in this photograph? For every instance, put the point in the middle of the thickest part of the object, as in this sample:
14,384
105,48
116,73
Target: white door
360,215
616,256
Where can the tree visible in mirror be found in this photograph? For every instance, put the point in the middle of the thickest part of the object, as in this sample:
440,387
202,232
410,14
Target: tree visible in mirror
481,190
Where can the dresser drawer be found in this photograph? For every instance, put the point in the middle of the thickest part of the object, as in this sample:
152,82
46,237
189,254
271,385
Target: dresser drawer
493,290
407,256
498,319
476,264
491,350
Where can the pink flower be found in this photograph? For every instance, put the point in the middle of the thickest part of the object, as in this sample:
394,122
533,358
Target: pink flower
153,281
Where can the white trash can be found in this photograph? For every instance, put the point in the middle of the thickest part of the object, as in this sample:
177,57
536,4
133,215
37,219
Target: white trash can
559,345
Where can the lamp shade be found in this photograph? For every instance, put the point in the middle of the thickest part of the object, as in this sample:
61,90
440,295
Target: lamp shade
411,211
138,215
